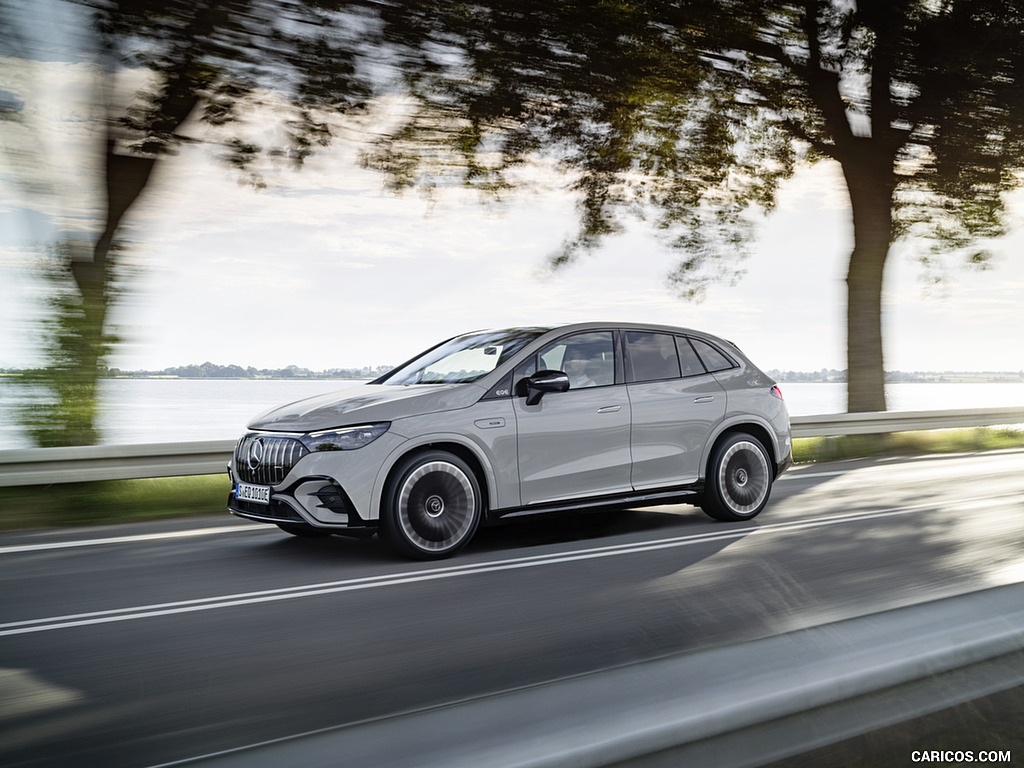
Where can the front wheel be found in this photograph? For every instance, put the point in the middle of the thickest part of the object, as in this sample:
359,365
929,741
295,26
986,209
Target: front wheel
739,479
432,507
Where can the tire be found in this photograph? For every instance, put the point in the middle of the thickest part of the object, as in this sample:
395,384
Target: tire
739,479
432,506
303,531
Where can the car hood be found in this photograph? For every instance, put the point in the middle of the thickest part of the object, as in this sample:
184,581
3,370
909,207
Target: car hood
365,404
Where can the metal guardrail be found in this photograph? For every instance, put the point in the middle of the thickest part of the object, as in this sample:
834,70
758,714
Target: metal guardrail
86,463
43,466
732,707
902,421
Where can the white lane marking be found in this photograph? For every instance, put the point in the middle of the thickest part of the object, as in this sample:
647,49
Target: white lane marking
133,538
396,579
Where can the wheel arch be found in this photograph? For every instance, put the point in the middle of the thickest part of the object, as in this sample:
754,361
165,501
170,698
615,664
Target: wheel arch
469,454
752,428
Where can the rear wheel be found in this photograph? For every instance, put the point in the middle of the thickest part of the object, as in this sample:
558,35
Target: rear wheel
739,479
432,507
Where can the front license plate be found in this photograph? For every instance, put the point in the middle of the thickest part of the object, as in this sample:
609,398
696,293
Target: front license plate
259,494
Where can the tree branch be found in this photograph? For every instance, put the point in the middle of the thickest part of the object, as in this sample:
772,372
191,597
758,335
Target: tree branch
823,85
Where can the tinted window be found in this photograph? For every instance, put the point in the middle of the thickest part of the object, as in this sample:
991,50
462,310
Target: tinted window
588,359
688,360
651,356
714,360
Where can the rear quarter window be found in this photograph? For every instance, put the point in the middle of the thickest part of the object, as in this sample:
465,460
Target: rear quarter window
688,360
714,359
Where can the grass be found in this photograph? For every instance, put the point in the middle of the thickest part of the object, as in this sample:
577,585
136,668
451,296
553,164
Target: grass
810,449
112,501
119,501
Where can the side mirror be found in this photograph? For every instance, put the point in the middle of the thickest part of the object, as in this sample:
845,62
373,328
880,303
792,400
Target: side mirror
545,381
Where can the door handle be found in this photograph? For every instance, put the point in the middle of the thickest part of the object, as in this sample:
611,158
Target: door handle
610,409
490,423
705,399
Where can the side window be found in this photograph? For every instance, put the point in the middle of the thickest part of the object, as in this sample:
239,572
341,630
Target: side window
651,356
714,360
690,363
587,358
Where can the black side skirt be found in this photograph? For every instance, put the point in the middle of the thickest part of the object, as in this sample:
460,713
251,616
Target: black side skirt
685,495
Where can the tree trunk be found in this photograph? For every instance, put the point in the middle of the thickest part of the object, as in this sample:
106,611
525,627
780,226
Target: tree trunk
86,328
870,184
79,341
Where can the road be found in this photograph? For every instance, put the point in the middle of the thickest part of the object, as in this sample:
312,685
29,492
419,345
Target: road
150,643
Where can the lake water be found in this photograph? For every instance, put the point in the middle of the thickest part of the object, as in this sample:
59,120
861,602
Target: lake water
182,410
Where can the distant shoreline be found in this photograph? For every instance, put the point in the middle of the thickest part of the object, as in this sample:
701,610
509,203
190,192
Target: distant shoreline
900,377
233,373
130,377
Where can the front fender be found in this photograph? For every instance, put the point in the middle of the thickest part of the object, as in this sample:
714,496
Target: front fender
439,440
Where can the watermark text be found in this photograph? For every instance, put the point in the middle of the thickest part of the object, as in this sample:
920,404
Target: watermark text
960,756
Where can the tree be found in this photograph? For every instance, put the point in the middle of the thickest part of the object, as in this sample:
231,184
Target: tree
206,64
922,106
695,111
691,112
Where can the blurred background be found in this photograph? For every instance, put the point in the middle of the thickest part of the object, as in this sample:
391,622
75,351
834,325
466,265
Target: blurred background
212,207
308,188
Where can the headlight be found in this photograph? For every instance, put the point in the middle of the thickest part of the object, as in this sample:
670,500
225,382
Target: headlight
347,439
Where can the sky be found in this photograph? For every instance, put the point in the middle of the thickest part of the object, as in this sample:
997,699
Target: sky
325,269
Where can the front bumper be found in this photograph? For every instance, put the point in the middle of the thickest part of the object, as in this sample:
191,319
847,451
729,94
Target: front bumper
332,490
316,501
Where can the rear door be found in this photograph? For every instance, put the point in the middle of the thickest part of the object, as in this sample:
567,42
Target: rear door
674,404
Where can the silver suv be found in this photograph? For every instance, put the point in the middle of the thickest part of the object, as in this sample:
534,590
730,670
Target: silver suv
501,424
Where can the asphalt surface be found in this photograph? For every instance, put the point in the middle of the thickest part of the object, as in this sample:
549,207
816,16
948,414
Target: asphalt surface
147,644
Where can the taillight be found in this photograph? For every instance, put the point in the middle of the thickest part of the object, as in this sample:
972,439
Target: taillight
777,392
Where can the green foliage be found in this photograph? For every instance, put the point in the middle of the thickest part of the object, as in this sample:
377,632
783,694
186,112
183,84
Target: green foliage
906,443
967,112
694,112
113,501
76,344
639,121
212,61
218,61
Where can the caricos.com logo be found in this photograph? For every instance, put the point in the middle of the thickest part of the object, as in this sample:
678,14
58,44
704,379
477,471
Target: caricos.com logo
960,756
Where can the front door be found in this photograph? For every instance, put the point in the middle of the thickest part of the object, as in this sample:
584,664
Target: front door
575,444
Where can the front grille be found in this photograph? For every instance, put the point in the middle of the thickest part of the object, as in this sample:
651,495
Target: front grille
266,459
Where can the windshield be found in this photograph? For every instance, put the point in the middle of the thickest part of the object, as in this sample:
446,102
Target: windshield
464,358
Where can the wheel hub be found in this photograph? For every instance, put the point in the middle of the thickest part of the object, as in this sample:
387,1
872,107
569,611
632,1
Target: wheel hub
434,506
